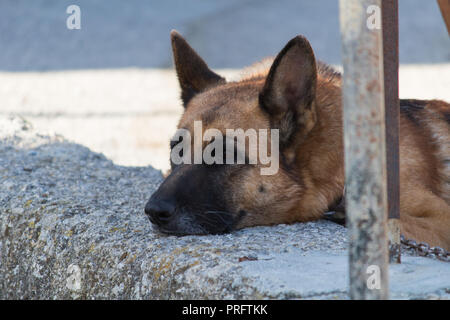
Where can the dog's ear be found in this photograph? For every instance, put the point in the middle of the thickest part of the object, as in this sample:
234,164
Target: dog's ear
288,95
193,73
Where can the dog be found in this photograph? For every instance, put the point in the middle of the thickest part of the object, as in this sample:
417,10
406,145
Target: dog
301,98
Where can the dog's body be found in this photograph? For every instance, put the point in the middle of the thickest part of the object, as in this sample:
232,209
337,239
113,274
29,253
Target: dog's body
303,100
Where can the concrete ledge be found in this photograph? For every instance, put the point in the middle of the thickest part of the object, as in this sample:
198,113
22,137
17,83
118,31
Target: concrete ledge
72,226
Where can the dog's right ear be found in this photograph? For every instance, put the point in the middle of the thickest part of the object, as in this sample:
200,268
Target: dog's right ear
193,73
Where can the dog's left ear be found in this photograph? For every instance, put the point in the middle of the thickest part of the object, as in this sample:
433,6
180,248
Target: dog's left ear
193,73
289,92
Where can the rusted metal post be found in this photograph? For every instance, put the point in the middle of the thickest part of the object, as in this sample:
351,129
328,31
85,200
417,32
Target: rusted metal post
365,147
392,114
444,5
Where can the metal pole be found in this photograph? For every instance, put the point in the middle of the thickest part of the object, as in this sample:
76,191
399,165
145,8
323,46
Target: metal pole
392,114
365,147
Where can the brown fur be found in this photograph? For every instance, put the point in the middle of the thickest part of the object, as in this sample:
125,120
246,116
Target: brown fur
311,175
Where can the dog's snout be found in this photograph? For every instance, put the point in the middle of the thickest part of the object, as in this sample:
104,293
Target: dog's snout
159,212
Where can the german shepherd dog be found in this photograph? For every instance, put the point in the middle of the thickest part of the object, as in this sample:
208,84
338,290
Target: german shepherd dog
301,97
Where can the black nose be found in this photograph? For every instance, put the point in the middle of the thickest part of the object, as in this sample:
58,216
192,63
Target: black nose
159,211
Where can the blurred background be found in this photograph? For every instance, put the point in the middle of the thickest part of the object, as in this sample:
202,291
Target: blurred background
111,87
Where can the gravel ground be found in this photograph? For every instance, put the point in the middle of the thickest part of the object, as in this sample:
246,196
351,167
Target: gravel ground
72,226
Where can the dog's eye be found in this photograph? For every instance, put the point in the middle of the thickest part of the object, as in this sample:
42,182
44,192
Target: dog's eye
237,155
222,157
213,154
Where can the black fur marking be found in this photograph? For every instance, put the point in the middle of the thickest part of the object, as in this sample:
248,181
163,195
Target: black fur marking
193,73
447,117
327,71
411,109
186,95
198,208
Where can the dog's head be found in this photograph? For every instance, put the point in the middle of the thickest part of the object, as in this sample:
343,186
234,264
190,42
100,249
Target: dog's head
201,196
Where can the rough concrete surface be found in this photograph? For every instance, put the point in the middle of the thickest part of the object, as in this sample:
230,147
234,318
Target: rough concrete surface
72,226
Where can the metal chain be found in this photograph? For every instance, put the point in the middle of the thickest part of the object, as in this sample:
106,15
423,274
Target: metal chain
424,249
